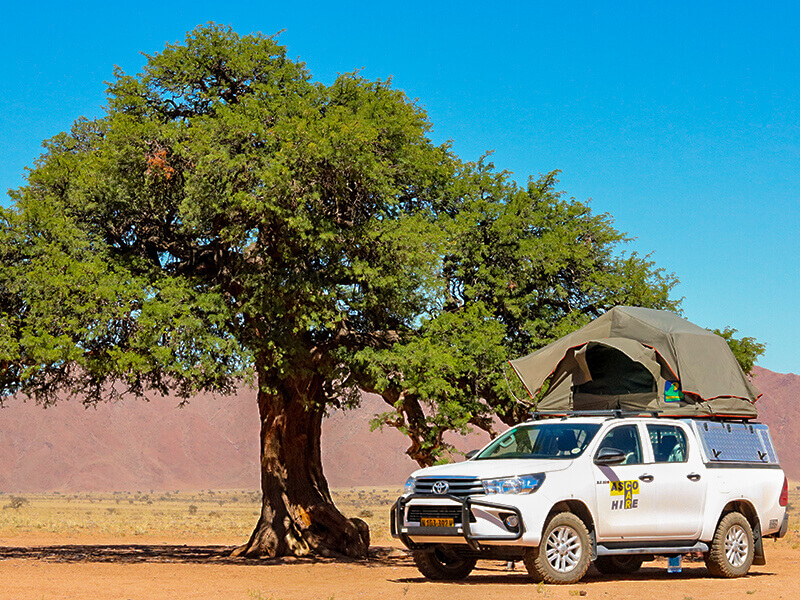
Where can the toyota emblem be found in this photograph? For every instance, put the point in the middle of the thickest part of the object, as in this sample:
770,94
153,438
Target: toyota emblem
441,487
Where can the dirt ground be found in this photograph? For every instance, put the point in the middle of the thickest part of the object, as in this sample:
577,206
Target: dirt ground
34,568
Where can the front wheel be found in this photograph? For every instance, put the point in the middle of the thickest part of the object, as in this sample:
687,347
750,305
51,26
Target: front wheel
442,564
564,552
732,548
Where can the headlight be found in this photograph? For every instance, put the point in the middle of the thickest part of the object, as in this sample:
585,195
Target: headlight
520,484
409,487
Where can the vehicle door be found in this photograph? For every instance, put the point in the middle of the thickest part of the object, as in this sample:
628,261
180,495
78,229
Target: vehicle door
679,481
626,497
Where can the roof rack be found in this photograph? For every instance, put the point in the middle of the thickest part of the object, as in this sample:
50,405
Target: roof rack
616,413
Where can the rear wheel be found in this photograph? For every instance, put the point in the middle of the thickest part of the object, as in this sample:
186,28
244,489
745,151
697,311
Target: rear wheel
731,552
563,554
443,564
618,565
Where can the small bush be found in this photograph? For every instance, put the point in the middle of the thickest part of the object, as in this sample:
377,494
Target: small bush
16,502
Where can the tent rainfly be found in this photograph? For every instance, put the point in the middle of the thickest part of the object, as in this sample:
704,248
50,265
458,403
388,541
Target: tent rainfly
639,359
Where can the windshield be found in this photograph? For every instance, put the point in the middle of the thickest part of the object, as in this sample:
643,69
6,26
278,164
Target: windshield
542,440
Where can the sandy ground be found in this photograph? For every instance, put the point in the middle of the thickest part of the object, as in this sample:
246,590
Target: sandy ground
165,570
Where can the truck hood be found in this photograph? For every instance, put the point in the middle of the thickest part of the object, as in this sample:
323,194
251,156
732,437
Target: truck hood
486,469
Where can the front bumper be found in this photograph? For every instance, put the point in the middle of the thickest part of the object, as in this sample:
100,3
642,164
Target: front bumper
480,522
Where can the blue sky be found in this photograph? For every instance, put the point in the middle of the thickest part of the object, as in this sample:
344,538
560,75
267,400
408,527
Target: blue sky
680,119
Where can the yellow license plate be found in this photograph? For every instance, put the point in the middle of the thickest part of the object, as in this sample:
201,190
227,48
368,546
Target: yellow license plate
437,522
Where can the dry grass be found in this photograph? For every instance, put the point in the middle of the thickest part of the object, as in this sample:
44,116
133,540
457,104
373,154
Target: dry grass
224,516
372,504
221,516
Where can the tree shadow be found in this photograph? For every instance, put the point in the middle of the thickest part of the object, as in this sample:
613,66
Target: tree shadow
165,553
126,553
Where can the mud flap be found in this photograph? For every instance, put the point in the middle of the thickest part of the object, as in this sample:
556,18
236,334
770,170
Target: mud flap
758,547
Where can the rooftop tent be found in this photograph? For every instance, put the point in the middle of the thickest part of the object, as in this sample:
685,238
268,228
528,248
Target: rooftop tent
639,359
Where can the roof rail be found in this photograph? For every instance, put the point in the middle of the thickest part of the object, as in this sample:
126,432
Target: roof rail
616,413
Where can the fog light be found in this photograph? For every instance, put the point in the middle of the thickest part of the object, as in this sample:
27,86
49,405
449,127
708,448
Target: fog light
511,522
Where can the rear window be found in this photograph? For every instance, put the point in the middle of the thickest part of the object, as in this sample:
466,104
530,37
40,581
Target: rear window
736,442
669,443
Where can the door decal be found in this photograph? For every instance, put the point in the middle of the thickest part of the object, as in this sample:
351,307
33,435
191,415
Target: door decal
626,489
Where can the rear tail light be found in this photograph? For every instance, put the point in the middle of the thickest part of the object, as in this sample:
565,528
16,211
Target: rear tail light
784,499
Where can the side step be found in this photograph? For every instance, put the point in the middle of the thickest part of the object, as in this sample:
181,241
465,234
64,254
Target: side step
698,547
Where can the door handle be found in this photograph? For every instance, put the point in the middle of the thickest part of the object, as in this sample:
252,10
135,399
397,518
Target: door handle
647,478
693,476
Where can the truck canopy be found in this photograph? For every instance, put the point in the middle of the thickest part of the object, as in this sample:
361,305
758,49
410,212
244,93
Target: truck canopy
639,359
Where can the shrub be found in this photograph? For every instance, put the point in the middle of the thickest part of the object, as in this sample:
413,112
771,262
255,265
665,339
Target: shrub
16,502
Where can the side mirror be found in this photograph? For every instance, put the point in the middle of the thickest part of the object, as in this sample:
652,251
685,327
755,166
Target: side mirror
471,453
609,456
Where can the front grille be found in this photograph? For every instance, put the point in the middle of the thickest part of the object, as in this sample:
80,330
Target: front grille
460,487
417,513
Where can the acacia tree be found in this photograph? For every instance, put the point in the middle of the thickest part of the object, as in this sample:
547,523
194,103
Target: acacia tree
226,216
522,267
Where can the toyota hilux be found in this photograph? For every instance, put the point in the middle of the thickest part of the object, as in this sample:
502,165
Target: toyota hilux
609,489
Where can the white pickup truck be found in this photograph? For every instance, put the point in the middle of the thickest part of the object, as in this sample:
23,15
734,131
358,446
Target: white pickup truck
618,490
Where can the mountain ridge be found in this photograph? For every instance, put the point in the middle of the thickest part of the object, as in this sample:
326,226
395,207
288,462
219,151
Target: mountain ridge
212,443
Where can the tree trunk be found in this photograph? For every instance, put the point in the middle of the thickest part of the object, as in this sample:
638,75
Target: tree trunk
298,516
411,420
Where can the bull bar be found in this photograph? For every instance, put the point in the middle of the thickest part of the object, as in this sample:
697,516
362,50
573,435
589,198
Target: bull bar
397,518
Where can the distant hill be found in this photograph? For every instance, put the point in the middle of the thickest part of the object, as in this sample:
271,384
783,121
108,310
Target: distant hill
212,443
779,408
132,445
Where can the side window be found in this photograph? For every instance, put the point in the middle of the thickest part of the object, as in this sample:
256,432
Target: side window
669,443
626,439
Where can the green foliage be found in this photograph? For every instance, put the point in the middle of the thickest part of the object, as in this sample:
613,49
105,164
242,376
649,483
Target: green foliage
226,213
73,319
520,268
746,349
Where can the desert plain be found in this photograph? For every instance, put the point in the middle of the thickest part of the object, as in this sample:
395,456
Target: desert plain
150,545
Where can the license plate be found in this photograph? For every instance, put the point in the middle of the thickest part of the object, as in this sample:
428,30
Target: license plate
437,522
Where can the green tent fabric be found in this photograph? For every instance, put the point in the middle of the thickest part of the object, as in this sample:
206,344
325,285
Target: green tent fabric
639,359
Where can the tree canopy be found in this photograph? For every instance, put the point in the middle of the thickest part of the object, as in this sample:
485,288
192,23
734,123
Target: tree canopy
520,268
229,217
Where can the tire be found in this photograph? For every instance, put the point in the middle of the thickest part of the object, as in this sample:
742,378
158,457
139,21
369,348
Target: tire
564,552
618,565
441,564
732,548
